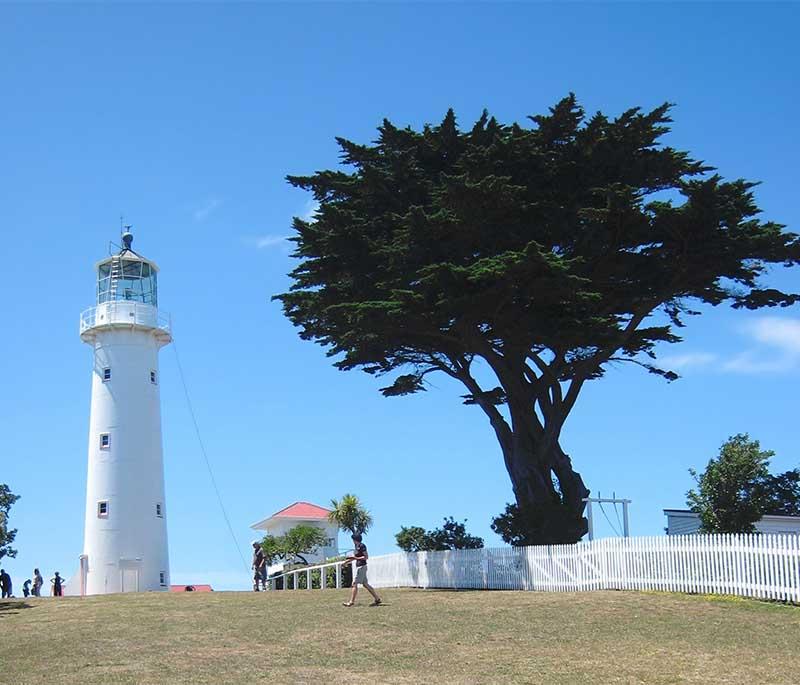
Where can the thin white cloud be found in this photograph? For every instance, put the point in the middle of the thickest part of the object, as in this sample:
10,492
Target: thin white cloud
774,348
751,362
688,360
203,212
777,332
266,241
779,347
273,240
310,210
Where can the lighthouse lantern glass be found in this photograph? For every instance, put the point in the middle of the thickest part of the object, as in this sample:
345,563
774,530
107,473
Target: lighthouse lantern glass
136,282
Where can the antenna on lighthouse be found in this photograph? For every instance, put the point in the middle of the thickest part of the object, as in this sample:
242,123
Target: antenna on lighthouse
127,238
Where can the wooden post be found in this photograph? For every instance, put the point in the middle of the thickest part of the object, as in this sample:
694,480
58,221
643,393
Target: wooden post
590,519
339,575
625,530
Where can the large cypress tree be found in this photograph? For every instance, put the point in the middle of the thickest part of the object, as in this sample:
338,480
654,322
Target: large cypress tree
7,498
543,252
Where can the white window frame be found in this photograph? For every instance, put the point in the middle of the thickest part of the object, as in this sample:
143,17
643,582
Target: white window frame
102,514
106,370
107,446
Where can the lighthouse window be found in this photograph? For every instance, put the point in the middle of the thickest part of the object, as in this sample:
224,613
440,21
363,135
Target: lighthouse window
102,509
127,279
103,283
159,512
153,378
162,578
138,282
105,441
106,375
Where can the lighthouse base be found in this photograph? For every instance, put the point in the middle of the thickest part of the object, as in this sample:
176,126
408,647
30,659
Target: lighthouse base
127,575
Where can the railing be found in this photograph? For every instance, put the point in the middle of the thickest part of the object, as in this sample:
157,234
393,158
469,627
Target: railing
763,566
124,312
323,575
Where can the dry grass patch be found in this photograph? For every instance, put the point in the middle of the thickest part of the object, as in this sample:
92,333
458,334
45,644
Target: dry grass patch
417,637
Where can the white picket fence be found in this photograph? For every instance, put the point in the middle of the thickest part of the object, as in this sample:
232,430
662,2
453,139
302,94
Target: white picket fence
764,566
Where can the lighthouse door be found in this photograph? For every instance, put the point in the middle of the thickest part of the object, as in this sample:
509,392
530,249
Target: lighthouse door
129,575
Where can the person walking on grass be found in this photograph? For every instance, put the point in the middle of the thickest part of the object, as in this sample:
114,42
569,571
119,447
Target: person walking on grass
38,581
360,556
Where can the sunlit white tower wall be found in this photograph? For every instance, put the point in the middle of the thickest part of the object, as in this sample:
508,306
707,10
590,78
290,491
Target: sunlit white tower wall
125,533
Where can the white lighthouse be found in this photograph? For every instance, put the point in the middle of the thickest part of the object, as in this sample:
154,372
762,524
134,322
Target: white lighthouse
125,533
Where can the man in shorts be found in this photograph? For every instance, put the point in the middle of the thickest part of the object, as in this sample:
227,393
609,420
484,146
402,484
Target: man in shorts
259,567
360,556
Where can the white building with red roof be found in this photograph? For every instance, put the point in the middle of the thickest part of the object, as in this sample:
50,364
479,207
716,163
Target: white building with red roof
302,513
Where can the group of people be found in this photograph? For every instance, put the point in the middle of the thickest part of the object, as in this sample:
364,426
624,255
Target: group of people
359,556
31,587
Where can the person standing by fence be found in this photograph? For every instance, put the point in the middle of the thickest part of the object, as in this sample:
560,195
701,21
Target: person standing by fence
360,556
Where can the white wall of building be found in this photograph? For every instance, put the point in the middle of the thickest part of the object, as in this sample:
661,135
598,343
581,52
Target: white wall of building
281,525
682,522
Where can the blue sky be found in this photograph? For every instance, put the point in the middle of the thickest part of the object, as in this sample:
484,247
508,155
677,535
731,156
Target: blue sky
187,117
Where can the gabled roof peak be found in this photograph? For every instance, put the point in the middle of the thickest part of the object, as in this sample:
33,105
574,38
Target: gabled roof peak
304,510
298,511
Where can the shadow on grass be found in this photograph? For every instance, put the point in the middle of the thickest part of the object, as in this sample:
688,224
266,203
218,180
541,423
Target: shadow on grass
459,590
12,606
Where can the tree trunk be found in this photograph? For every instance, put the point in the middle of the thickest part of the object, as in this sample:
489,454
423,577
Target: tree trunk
533,468
549,492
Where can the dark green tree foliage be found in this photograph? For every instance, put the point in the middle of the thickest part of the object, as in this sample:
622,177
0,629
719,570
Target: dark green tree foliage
348,513
7,498
301,540
452,535
730,492
541,254
548,523
273,548
412,539
782,494
736,489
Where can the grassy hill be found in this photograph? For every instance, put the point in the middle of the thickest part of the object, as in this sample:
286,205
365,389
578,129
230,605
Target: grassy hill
417,637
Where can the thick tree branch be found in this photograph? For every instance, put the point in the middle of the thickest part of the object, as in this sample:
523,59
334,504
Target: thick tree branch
501,427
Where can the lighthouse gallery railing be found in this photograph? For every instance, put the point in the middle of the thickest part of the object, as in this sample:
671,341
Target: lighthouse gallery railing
121,313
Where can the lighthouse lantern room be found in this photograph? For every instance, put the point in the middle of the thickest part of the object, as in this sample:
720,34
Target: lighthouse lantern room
125,532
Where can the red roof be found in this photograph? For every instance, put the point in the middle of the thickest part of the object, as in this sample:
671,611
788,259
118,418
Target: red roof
303,510
197,588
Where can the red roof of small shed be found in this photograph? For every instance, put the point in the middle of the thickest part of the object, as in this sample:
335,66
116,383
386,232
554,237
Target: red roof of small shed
197,588
303,510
